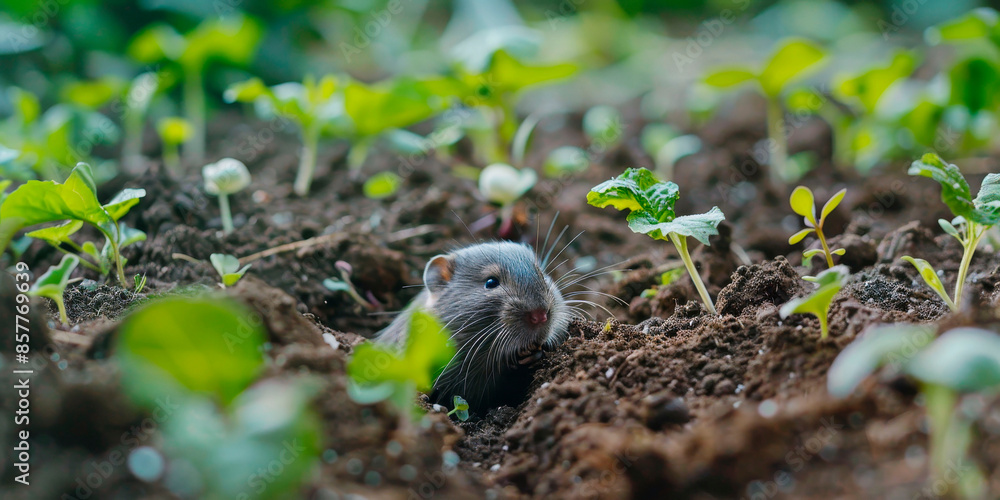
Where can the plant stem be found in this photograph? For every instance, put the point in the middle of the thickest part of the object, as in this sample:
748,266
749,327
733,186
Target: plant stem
307,160
194,109
357,155
171,159
227,216
824,326
776,132
940,404
681,243
974,232
63,318
116,252
826,248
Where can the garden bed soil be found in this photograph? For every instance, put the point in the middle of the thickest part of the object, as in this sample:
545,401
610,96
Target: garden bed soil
666,401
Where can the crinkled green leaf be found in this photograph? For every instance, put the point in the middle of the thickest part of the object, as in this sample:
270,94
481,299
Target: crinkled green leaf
961,359
789,63
698,226
987,202
428,350
637,190
955,190
894,344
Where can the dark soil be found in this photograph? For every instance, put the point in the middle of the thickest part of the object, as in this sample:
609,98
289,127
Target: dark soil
665,401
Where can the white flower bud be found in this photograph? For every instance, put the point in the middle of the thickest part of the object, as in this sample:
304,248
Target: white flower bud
225,176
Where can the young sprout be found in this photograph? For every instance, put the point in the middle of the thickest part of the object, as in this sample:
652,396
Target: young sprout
344,284
228,268
973,218
461,409
503,184
223,178
651,206
173,131
382,185
381,372
960,361
314,105
804,204
136,101
818,302
52,284
74,203
566,160
666,278
603,126
231,38
789,63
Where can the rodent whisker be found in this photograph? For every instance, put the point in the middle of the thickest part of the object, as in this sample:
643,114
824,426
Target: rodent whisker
591,291
545,263
592,304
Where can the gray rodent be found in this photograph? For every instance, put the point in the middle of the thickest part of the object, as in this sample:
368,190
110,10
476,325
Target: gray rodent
501,309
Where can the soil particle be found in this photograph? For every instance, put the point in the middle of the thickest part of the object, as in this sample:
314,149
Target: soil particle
773,282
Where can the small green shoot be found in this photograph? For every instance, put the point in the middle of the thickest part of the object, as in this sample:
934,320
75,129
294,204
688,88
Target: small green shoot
650,203
52,284
75,202
232,39
173,131
666,279
139,283
818,302
344,284
223,178
461,410
804,204
973,217
960,361
790,62
228,268
503,185
382,185
314,105
381,372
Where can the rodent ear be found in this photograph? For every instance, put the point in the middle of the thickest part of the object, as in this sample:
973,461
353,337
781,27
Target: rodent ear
438,272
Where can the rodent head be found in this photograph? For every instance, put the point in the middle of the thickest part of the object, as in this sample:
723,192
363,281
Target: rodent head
500,306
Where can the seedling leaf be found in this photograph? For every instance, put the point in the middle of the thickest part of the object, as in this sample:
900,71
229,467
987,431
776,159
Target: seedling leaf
730,77
789,63
177,345
799,236
228,268
461,408
382,185
818,302
57,235
637,190
832,203
962,359
803,203
53,283
930,277
955,191
698,226
865,355
949,228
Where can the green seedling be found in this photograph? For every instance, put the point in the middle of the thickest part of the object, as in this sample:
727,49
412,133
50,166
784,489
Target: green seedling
382,185
804,204
228,268
818,302
231,39
566,160
136,102
44,143
603,126
503,185
973,218
52,284
960,361
223,178
139,282
461,410
666,279
789,63
75,202
344,284
204,356
315,106
173,132
493,67
381,372
650,203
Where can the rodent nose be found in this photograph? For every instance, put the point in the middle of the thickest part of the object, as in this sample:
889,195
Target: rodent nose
538,316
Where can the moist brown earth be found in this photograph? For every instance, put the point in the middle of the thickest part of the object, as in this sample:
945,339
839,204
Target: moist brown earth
664,401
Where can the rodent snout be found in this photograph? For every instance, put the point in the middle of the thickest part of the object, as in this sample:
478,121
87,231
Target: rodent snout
538,316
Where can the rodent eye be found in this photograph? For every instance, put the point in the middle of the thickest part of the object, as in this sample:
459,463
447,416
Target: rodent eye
492,282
